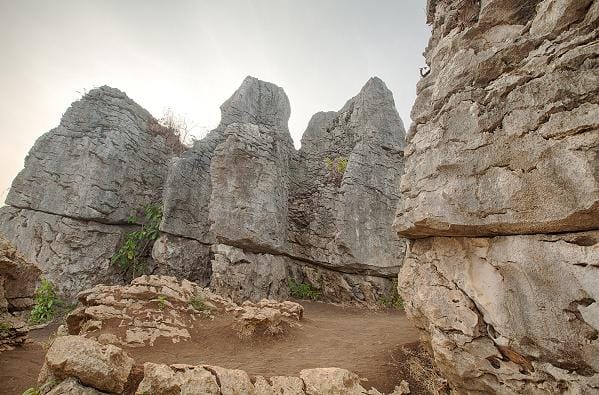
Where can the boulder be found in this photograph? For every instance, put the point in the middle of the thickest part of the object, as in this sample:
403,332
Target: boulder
177,379
331,381
103,367
71,386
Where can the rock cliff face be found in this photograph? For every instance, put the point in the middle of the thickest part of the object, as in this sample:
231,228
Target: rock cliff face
68,208
346,185
18,279
240,204
502,157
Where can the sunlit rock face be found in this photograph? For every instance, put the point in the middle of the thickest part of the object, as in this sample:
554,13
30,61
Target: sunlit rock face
501,192
321,215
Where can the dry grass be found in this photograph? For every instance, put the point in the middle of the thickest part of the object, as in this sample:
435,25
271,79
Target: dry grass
415,365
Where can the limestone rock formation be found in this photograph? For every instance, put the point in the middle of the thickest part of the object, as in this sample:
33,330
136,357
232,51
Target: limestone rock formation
106,159
104,367
68,208
242,275
18,279
72,253
515,310
346,185
506,124
156,308
76,365
321,215
504,146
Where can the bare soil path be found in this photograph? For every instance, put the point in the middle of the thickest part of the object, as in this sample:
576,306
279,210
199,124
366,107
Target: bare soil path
362,341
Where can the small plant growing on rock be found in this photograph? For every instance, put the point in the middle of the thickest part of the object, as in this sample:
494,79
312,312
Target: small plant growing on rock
32,391
341,164
198,303
45,303
161,302
301,290
336,168
5,327
393,299
130,256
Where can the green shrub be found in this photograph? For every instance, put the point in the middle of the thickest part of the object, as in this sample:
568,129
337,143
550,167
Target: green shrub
302,290
337,165
45,303
197,302
341,164
392,299
130,256
161,301
32,391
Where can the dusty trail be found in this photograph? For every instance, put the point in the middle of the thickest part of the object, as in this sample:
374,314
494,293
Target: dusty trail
359,340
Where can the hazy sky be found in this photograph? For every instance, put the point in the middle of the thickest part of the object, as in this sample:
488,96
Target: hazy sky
190,56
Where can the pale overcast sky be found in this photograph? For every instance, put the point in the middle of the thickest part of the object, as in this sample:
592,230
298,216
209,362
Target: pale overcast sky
191,55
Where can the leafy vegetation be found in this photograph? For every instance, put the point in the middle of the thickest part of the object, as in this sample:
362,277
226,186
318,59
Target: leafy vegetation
301,290
136,246
45,303
341,165
32,391
338,165
198,303
5,326
392,299
161,301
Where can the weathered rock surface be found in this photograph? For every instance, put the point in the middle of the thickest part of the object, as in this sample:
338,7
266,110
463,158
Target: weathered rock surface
243,275
104,367
243,186
504,146
162,307
506,125
71,386
106,160
182,258
151,307
509,313
73,254
345,186
18,279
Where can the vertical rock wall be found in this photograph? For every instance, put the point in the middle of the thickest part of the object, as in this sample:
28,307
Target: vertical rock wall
501,194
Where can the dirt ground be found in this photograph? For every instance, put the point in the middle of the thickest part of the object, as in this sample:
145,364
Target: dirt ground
363,341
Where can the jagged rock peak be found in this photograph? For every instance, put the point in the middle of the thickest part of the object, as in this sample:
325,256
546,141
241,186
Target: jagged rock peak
257,102
370,115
